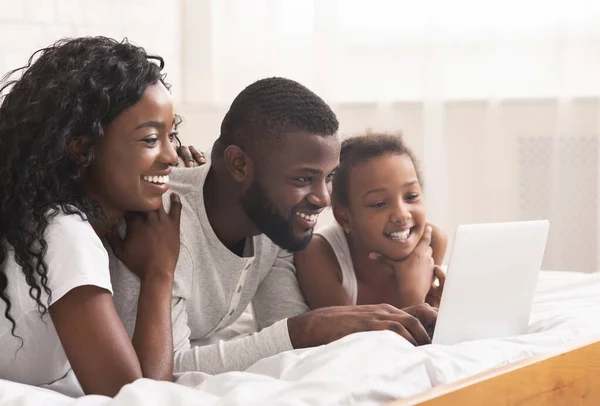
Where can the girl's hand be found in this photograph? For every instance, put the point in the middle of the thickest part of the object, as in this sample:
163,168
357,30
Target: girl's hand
414,274
434,296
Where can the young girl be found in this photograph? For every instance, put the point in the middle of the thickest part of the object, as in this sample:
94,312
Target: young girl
380,250
85,136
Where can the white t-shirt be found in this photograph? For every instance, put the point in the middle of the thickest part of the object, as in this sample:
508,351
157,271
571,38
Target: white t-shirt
75,257
334,235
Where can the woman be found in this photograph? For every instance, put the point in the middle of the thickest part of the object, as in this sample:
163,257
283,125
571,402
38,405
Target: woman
86,135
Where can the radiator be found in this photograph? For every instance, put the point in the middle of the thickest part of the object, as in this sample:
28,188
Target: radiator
558,180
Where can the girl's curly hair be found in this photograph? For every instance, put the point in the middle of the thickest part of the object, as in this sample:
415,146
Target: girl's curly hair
72,88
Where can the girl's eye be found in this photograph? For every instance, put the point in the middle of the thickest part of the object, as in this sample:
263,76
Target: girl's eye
151,141
303,180
377,205
412,197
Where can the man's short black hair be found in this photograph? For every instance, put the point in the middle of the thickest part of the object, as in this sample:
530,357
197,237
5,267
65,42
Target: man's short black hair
270,108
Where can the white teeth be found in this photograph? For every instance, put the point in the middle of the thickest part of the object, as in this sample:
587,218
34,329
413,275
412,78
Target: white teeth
156,179
309,217
400,235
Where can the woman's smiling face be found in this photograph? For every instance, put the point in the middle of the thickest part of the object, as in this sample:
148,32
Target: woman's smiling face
130,168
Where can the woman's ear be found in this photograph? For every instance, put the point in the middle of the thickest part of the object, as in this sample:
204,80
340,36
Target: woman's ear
343,217
238,164
79,149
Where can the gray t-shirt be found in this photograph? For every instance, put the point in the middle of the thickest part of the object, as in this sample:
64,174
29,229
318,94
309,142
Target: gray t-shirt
213,286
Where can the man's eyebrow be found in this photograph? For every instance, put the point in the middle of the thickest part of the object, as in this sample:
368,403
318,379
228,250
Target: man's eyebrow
314,171
151,124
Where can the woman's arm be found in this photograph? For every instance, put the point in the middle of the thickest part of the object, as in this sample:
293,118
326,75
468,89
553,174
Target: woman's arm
95,341
319,275
153,335
99,350
151,250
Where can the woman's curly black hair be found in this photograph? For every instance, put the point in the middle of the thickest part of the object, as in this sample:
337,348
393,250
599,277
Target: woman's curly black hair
72,88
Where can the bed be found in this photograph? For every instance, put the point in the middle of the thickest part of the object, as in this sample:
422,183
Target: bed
557,362
567,377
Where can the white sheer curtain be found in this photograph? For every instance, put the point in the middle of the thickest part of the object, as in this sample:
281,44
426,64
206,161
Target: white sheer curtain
498,98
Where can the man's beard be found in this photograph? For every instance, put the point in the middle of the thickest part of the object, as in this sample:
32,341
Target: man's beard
263,213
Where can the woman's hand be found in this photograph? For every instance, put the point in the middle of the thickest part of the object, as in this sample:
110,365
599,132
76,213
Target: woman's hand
150,249
151,244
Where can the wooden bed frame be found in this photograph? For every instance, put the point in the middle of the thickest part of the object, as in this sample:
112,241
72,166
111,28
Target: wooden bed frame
570,377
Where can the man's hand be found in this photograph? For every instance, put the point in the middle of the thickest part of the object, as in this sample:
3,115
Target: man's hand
414,275
434,296
190,156
328,324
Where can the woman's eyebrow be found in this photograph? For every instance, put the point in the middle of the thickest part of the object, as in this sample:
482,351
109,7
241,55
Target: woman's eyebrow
159,125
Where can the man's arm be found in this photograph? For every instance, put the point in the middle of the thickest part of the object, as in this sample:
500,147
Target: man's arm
280,307
235,355
278,296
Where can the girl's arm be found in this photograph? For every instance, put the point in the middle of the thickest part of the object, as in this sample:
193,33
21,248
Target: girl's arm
439,243
319,275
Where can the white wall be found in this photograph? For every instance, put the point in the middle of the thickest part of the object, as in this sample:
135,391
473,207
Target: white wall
479,148
27,25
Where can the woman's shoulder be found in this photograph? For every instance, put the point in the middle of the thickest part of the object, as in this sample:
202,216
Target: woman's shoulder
75,255
72,228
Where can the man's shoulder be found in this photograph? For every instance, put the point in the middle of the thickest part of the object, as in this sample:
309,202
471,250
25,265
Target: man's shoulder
270,252
188,184
185,176
265,246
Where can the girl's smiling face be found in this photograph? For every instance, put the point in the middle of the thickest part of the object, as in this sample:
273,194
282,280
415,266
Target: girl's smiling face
385,212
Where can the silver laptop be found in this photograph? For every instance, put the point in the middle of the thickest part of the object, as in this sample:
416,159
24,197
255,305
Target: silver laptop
490,281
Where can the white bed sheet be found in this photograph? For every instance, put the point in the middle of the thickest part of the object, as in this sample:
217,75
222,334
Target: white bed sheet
366,368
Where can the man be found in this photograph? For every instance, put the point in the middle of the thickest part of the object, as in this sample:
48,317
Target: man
243,214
